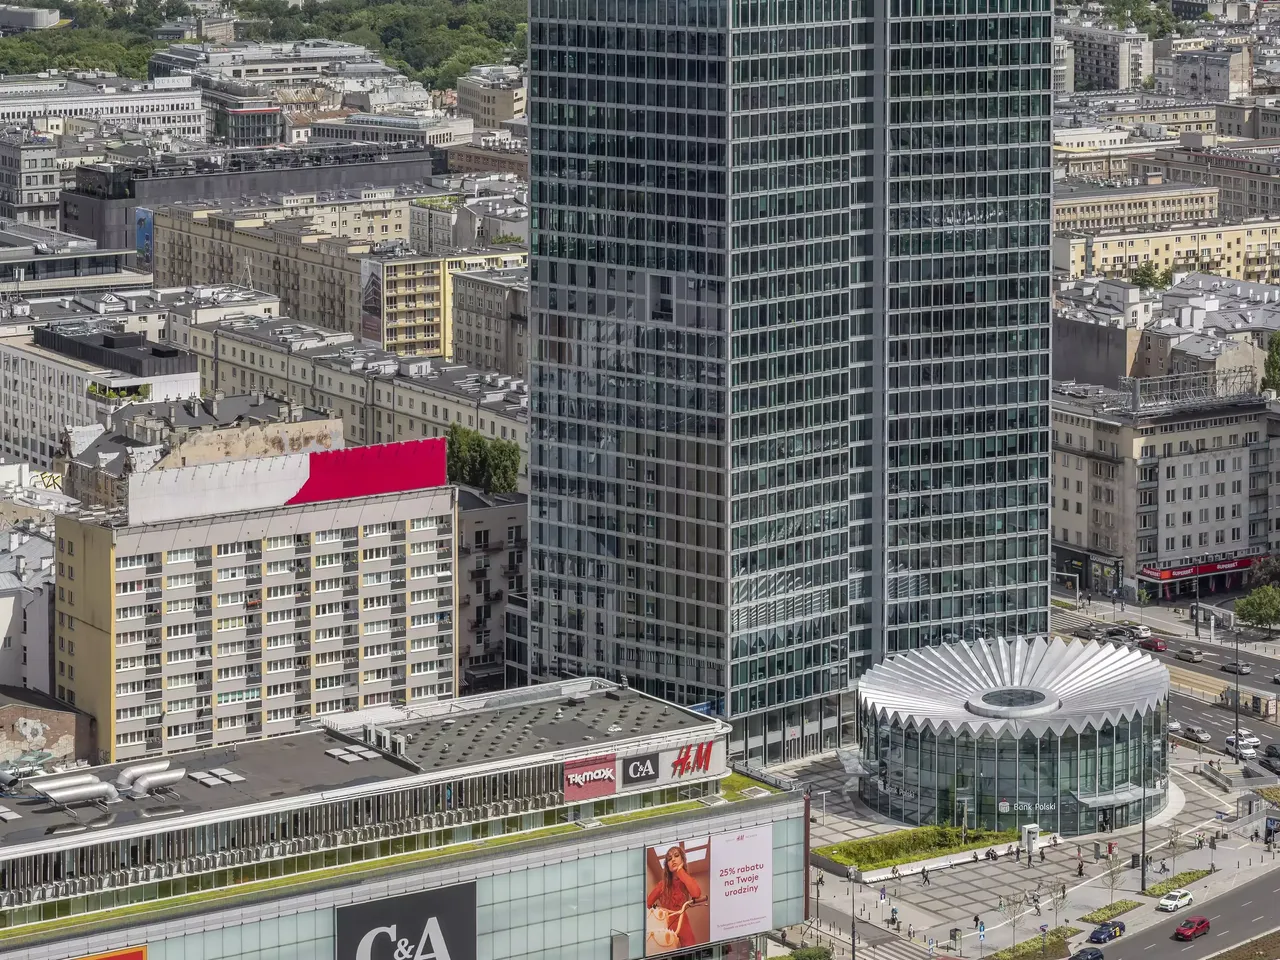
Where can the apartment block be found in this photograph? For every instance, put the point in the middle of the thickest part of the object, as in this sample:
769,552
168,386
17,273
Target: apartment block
1215,75
1163,485
1086,205
169,105
1064,66
1107,59
342,264
491,320
493,558
235,601
380,396
78,372
1247,175
26,604
435,130
491,94
29,178
1248,250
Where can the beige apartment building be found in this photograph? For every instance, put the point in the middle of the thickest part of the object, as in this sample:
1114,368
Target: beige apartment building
1248,179
491,320
379,396
1242,251
1161,486
490,94
1175,118
1080,205
355,272
1107,59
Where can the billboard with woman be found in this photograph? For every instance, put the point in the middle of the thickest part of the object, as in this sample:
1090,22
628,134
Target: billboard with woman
677,878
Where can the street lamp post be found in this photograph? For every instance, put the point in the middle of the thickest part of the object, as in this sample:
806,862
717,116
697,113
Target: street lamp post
853,916
1148,751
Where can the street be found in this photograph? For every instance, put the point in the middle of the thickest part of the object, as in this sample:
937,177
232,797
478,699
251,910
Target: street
1234,917
1218,721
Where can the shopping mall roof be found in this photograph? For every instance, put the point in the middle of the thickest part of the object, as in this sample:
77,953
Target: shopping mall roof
1012,687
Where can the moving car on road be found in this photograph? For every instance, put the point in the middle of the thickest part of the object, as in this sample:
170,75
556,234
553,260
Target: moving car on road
1273,750
1174,900
1191,928
1196,734
1238,666
1243,752
1087,953
1190,655
1175,726
1139,631
1247,737
1106,932
1089,633
1155,644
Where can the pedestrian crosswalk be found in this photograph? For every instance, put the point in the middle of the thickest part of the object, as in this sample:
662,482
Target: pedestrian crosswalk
881,945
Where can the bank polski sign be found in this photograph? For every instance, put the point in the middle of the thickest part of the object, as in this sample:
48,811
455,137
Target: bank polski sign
430,925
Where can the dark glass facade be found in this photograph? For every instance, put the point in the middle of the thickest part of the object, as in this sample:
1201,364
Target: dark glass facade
1078,782
789,281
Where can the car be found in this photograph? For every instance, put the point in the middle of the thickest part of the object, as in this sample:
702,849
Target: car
1088,633
1106,932
1273,750
1276,678
1196,734
1087,953
1190,655
1247,737
1244,752
1237,667
1192,927
1175,726
1141,631
1270,764
1174,900
1154,644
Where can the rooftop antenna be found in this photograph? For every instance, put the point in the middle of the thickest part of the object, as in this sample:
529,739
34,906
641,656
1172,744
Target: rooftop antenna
248,271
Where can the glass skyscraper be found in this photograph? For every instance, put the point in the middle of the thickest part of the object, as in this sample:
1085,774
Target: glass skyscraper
790,371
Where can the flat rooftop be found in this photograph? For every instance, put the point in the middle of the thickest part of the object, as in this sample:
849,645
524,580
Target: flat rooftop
450,739
1076,190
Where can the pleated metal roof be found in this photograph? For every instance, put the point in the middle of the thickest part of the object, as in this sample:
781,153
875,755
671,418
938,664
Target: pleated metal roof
1001,687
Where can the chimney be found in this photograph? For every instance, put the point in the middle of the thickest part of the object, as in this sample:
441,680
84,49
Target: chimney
20,567
15,539
173,413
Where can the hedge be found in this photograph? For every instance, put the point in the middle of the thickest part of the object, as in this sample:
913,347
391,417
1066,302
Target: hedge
1055,946
1177,882
1111,911
908,846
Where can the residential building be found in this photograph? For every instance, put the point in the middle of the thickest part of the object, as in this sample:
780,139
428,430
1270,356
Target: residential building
491,320
99,460
29,179
491,155
74,372
1247,250
1163,485
380,396
236,601
1064,66
458,222
26,606
112,202
1171,117
1211,74
1247,173
491,94
30,494
1081,205
1091,138
42,262
429,129
749,531
15,19
1108,59
374,285
493,554
168,105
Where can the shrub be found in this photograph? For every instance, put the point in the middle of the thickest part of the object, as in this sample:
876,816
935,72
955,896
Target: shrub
907,846
1176,882
1110,912
1054,946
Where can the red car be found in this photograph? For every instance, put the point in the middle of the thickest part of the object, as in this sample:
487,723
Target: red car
1191,927
1153,643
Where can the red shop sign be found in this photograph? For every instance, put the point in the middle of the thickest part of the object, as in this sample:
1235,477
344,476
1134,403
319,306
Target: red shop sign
591,778
1177,573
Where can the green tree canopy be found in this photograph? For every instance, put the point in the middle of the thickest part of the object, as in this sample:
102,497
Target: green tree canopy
493,465
1271,367
1266,572
1150,277
1261,608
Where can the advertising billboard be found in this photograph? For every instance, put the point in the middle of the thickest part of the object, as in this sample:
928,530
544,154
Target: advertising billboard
144,236
371,301
431,924
591,779
708,889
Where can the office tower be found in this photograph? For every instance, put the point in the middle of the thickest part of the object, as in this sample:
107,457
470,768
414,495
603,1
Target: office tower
789,383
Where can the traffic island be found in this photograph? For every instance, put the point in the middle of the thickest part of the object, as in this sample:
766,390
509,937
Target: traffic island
1051,945
1176,882
1110,911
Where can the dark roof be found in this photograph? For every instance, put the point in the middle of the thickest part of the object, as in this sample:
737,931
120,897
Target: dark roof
26,697
469,498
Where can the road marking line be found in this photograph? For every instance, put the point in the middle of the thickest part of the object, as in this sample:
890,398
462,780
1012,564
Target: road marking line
1256,919
1149,946
1247,902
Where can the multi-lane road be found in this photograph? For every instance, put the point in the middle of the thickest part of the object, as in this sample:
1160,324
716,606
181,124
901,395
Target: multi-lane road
1218,722
1238,915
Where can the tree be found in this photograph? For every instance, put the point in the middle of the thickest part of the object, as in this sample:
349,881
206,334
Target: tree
1150,277
1261,608
1271,366
1266,572
493,465
465,454
1176,842
501,470
1148,83
1059,901
1014,912
1114,874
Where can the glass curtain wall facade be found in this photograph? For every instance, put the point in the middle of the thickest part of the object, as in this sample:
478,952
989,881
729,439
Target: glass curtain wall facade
733,363
1074,783
967,416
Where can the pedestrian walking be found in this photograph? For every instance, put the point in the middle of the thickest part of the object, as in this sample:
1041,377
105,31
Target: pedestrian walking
1001,907
1164,868
924,876
1042,854
911,932
1080,869
976,920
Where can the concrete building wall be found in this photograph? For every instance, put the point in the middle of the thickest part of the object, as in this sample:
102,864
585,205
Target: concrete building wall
30,726
493,550
1093,352
1241,251
1141,206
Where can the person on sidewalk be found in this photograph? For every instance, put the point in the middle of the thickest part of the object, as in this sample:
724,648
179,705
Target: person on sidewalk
924,876
976,921
1164,868
1042,854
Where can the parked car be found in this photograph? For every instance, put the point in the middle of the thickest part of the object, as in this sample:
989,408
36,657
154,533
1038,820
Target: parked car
1197,734
1247,737
1191,928
1243,752
1106,932
1175,726
1237,666
1174,900
1154,644
1087,953
1190,655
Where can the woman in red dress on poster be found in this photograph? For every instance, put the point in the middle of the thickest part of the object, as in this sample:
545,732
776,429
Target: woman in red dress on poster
673,892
